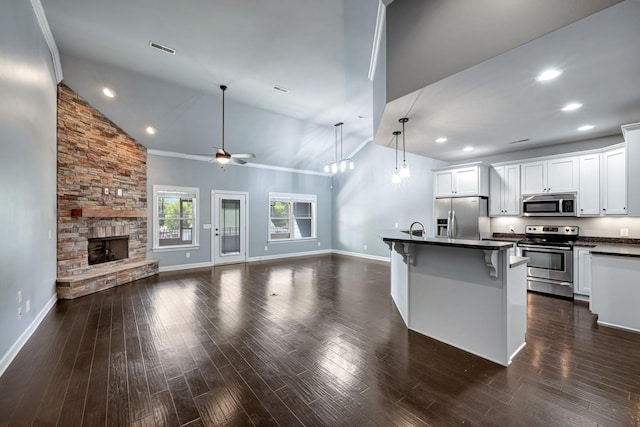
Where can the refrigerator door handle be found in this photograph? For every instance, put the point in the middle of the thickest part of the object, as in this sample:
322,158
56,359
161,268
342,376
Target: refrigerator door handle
454,225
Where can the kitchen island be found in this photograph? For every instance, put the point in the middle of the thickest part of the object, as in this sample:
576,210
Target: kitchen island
467,293
615,291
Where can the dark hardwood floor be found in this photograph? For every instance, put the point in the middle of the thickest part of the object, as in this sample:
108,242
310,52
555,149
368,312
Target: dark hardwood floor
310,341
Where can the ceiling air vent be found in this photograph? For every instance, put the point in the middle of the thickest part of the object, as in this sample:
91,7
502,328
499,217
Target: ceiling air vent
165,49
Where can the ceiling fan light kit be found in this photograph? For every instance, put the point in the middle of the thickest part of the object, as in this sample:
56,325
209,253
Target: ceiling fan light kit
343,164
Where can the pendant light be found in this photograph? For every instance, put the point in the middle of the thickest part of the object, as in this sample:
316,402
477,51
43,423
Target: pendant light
404,168
343,164
395,178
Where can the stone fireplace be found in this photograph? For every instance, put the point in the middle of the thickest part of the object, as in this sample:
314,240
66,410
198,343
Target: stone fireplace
102,194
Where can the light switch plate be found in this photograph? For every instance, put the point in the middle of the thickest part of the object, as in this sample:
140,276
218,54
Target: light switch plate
624,232
119,192
106,191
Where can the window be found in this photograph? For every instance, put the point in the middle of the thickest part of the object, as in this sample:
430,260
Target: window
292,216
175,215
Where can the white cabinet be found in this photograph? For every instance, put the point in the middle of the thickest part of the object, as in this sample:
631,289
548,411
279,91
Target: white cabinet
614,182
504,198
470,180
550,176
589,185
582,271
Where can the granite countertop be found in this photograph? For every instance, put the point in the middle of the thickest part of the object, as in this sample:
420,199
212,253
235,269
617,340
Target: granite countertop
515,261
398,236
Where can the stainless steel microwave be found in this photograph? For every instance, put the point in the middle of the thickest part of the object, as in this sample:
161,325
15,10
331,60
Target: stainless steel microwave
564,204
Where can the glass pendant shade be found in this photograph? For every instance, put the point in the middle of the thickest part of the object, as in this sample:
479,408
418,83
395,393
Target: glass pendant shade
395,178
404,170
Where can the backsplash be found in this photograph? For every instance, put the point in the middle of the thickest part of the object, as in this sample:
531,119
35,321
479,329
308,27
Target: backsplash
593,227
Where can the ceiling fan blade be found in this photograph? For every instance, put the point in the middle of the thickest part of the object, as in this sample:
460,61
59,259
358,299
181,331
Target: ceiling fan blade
243,156
237,161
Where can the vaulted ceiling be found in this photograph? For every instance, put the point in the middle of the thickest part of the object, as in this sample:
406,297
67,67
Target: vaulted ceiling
320,51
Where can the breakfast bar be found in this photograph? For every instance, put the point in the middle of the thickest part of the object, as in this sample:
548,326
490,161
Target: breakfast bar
470,294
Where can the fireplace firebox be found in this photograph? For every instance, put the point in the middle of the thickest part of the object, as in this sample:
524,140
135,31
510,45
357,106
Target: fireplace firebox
107,249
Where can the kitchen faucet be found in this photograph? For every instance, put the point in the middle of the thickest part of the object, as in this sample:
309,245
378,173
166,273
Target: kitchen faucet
411,228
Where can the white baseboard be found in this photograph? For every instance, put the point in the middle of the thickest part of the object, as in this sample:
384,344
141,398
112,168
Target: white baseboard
359,255
184,266
291,255
22,340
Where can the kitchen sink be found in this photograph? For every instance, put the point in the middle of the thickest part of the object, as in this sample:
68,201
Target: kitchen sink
418,233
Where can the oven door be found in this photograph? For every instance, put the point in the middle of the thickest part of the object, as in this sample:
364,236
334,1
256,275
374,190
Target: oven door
548,262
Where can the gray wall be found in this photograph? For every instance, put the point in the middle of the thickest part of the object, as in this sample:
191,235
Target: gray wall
27,170
428,40
365,201
258,182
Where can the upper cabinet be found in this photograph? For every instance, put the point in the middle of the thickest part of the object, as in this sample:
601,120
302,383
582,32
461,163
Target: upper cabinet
614,182
550,176
589,187
504,198
631,134
465,180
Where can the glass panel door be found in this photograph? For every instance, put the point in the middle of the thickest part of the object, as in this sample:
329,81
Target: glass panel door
229,228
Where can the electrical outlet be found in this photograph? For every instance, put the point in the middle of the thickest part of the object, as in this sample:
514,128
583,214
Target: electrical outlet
119,192
266,248
19,296
106,191
512,228
318,243
187,254
624,232
27,306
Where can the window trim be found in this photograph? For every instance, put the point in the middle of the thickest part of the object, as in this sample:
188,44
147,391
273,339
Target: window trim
155,228
294,197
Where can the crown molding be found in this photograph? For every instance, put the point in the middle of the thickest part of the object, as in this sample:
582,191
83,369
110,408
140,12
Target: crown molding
377,37
48,37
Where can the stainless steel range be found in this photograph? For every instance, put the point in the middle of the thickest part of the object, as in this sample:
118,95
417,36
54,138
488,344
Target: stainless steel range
550,250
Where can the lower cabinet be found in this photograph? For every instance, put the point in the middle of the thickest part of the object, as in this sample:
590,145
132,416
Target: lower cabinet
582,271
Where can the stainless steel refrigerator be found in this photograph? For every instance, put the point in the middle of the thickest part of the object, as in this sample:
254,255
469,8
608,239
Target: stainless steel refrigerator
462,218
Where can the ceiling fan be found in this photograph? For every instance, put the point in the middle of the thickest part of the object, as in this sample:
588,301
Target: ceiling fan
223,156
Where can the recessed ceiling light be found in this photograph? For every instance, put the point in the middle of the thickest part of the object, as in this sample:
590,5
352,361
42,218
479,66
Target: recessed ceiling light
441,140
549,74
585,127
151,130
468,148
572,106
109,93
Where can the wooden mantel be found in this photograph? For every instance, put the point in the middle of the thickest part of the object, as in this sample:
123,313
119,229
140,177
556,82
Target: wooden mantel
107,212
